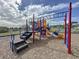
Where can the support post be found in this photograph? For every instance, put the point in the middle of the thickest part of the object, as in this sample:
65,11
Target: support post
40,28
26,26
43,22
33,28
65,28
19,31
69,28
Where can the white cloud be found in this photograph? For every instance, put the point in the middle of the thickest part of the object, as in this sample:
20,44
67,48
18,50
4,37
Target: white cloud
51,22
9,13
75,19
6,23
36,9
59,6
40,9
75,5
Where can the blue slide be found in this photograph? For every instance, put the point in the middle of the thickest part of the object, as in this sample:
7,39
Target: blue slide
54,34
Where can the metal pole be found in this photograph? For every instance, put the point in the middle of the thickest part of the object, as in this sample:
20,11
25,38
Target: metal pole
19,31
43,22
40,28
69,29
33,28
26,26
65,28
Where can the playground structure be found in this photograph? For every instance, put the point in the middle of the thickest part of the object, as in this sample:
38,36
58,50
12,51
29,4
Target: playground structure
42,28
67,32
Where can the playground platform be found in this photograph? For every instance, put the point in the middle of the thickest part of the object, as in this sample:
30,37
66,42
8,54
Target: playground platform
41,49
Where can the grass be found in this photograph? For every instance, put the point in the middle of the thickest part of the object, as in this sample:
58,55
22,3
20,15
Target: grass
8,33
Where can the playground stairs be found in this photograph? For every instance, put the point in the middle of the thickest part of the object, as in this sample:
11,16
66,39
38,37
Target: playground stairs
20,45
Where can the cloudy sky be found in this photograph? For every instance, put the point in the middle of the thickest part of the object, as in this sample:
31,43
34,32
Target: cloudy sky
14,12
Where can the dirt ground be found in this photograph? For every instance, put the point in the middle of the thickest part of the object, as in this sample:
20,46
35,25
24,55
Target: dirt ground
41,49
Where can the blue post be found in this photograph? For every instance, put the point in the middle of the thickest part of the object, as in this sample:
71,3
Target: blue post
67,36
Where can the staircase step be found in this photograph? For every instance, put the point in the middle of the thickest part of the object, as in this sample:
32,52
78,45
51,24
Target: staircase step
17,43
18,49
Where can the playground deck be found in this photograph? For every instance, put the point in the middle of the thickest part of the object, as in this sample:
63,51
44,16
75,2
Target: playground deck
41,49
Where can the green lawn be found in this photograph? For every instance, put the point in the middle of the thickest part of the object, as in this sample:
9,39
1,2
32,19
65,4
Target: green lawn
7,33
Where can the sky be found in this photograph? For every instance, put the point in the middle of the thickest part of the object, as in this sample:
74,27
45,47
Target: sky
13,13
